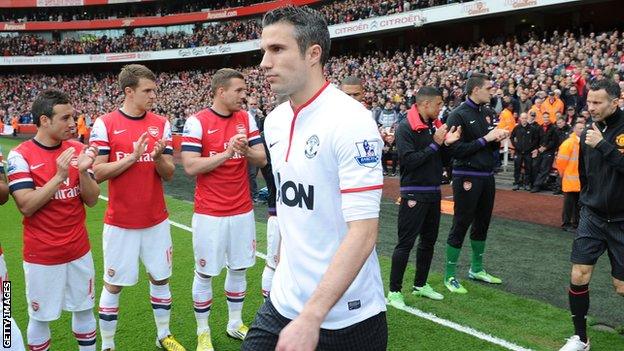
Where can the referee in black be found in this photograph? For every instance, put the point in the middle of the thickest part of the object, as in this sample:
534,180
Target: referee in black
421,140
473,180
601,224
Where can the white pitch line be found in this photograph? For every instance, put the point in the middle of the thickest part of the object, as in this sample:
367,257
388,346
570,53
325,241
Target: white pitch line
463,329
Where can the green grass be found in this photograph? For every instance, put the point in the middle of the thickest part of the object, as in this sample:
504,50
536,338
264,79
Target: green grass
517,311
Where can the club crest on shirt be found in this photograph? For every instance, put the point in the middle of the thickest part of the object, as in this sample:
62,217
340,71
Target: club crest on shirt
153,131
368,151
619,140
312,146
74,162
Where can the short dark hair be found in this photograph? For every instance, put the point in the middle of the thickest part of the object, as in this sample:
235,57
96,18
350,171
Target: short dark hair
222,78
351,80
609,85
131,74
476,80
310,27
427,92
44,104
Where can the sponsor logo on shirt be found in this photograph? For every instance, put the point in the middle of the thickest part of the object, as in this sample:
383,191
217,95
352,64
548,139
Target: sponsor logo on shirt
32,168
144,158
368,152
354,305
68,193
292,194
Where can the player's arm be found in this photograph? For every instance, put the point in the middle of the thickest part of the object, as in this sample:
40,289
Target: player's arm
89,189
105,170
28,199
192,160
255,154
162,154
409,156
463,148
4,187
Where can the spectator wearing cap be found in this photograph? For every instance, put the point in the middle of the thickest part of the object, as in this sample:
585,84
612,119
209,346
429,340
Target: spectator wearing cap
552,105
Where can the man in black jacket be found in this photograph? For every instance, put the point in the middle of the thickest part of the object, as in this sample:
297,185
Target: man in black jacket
601,172
546,153
524,139
421,141
473,181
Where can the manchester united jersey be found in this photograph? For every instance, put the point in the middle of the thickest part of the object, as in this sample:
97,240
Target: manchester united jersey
56,233
224,191
136,198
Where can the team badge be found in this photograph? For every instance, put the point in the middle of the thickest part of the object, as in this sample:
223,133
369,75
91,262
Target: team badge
312,146
35,306
202,262
467,185
411,203
368,153
619,140
74,162
153,131
111,272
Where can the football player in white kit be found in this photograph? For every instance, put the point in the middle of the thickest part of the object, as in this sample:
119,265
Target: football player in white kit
327,291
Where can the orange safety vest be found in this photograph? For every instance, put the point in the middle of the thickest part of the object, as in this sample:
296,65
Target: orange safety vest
507,120
552,109
538,114
567,164
14,123
81,125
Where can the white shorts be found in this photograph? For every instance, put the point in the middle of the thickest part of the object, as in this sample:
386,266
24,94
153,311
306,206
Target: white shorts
124,247
51,289
273,241
221,241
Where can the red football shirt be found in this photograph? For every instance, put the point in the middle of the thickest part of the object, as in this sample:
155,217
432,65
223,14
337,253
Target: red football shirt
56,233
135,197
224,191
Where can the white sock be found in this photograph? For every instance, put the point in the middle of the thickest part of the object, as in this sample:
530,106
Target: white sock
202,301
160,297
108,310
235,289
83,326
38,335
267,279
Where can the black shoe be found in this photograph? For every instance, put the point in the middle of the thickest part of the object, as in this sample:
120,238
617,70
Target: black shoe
535,189
516,187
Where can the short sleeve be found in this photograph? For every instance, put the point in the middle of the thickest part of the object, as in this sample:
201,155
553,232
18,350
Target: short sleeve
99,137
19,172
254,133
192,134
168,139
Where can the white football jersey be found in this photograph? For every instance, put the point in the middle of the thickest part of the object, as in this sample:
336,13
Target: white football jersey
326,162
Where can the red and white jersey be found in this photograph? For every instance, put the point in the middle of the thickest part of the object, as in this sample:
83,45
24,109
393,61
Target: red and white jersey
56,233
224,191
326,162
135,197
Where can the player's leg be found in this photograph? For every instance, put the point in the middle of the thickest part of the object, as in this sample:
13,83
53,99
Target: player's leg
424,252
45,285
479,230
465,202
156,253
615,250
121,268
272,256
368,335
241,254
409,224
17,341
209,254
80,299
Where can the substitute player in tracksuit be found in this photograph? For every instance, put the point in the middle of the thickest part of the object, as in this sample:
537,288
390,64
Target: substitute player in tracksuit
421,142
473,181
601,224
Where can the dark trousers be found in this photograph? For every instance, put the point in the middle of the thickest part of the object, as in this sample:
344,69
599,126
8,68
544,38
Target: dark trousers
368,335
389,156
570,215
415,218
252,172
523,160
543,165
474,202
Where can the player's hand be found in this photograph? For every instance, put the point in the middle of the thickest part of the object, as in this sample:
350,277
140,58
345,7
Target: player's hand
86,158
240,144
302,334
594,136
139,146
62,163
159,147
503,134
453,135
534,154
541,149
495,135
440,134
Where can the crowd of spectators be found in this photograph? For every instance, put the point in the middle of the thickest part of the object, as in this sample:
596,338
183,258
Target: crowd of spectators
527,76
212,34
